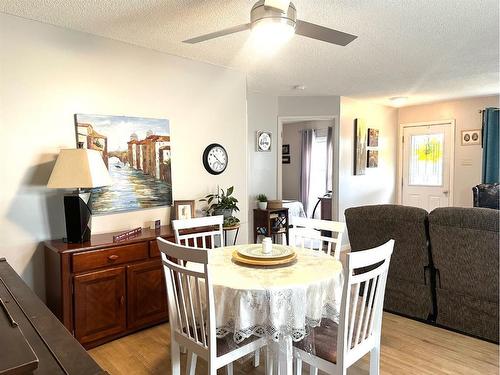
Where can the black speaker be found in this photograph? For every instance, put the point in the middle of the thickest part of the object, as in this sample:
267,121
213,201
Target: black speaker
78,219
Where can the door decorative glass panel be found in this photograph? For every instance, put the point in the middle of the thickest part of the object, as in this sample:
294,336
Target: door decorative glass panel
426,160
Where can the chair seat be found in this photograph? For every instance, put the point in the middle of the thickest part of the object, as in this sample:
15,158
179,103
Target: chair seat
321,341
227,344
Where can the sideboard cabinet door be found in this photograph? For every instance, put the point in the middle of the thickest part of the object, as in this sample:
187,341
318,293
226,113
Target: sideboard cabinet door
100,306
146,294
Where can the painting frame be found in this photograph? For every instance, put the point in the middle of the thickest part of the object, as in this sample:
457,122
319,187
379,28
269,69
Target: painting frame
285,159
360,154
471,137
372,159
285,149
180,205
137,153
373,135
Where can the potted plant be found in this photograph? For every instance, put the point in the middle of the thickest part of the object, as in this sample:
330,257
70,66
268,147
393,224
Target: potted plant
221,203
262,201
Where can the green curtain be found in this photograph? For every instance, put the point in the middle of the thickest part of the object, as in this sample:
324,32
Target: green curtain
491,136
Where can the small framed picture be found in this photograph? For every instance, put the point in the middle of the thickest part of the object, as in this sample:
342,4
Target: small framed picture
183,210
372,137
372,159
285,159
285,149
471,137
263,141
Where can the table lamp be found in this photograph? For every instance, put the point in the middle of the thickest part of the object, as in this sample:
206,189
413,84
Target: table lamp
79,169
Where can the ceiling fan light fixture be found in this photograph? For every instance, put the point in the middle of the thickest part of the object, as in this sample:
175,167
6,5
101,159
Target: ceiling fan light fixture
272,31
398,101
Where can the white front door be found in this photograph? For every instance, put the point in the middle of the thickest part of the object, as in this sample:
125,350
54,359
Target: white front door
427,163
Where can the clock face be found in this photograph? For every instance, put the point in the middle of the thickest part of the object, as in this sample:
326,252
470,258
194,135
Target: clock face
264,141
215,159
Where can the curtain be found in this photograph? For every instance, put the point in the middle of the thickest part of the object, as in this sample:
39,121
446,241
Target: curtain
329,159
490,145
305,166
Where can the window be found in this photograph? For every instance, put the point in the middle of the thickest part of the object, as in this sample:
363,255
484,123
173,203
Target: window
319,166
426,160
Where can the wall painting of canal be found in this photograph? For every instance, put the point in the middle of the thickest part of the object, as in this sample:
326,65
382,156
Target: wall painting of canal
137,153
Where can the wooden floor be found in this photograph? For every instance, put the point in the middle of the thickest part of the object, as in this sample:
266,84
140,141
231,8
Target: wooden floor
408,347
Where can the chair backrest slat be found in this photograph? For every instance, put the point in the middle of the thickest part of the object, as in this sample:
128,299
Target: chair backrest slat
191,308
310,232
361,314
209,227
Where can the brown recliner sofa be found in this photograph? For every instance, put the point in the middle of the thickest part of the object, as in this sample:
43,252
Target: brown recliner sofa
408,290
457,249
465,249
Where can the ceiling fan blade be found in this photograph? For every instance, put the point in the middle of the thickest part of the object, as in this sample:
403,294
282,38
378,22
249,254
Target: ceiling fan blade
218,34
325,34
278,4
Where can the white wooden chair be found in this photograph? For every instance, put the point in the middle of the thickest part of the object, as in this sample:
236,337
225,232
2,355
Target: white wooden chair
306,233
192,312
337,347
204,239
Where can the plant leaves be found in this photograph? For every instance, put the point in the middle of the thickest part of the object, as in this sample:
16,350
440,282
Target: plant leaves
230,191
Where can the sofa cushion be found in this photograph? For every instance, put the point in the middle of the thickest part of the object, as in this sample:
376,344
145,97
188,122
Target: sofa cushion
464,243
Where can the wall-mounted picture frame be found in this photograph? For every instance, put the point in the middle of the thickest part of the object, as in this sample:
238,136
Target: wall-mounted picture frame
471,137
359,146
263,141
137,152
373,137
285,149
372,159
285,159
183,209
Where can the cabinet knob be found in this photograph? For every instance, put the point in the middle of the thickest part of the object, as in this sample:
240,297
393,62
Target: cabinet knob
122,300
113,257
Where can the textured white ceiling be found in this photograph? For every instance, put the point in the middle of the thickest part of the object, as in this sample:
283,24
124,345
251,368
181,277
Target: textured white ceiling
425,49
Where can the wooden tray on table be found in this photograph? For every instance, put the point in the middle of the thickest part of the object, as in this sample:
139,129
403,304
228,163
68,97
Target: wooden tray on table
280,258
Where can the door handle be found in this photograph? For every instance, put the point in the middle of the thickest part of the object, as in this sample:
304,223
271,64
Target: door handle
122,300
445,191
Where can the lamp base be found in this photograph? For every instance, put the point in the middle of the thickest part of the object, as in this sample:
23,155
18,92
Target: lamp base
78,219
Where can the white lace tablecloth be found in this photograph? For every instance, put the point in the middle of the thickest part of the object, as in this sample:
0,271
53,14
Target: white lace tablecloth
275,302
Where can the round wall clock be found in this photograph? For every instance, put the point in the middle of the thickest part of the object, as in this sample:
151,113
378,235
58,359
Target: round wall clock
215,158
263,141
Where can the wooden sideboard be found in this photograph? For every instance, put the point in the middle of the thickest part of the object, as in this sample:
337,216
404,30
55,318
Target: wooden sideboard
102,290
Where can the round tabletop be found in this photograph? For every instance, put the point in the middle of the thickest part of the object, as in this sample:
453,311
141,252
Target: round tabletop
274,301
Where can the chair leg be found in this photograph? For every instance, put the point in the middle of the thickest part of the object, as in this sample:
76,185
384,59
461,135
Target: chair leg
313,370
269,362
229,368
175,358
256,358
191,363
375,360
298,366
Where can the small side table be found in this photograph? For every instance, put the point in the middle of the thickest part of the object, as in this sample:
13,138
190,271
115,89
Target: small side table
270,223
236,228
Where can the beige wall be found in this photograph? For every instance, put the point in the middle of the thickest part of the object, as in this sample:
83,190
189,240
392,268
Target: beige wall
262,115
378,185
50,73
468,159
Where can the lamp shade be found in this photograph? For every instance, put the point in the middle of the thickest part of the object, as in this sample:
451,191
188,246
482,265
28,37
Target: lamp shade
79,168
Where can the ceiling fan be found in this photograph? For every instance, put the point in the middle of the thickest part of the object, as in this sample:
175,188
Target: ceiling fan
271,16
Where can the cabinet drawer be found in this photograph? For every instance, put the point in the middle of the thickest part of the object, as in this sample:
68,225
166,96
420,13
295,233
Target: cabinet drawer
108,257
153,249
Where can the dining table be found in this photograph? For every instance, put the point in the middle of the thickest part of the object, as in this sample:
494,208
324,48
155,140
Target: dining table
281,303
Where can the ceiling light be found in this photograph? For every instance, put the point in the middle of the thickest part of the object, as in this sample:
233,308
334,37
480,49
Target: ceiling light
272,33
398,101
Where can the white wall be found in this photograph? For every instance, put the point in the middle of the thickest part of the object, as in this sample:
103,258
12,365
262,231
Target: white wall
308,106
50,73
468,159
291,172
262,112
378,185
